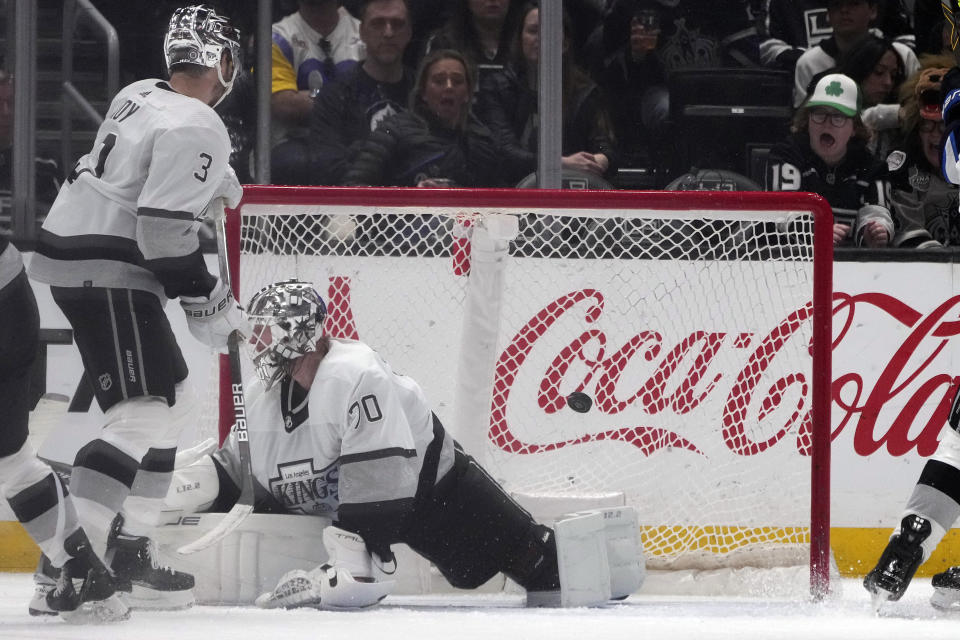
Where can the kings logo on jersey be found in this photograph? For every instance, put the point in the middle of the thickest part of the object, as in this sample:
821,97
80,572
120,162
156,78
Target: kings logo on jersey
302,489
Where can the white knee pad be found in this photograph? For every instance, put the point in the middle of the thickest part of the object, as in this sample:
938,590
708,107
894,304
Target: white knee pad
20,470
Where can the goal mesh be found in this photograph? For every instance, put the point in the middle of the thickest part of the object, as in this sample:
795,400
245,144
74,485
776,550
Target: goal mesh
658,347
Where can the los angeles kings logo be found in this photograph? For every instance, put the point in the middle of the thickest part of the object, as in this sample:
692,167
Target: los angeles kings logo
302,489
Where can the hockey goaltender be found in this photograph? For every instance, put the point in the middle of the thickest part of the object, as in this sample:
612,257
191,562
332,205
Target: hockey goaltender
346,451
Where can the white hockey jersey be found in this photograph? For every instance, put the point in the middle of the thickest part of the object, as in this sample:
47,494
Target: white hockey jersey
357,438
129,214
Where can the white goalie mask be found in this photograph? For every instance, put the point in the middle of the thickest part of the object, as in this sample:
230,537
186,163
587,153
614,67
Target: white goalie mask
287,319
198,35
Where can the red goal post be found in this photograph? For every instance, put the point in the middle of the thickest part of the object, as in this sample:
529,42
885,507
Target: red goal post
669,350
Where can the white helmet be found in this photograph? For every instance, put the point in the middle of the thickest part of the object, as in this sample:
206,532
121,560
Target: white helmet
198,35
287,319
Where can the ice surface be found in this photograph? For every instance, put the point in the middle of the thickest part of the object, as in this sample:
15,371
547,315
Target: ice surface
484,617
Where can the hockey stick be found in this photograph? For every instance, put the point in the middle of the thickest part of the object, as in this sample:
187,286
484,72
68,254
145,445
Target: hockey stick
244,504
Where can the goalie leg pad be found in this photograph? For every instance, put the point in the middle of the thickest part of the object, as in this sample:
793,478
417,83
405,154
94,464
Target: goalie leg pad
628,567
582,562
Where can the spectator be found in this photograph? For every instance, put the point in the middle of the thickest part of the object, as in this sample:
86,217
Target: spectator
438,141
694,34
827,154
634,74
850,20
348,110
875,65
924,204
481,29
310,48
930,26
508,103
47,171
793,26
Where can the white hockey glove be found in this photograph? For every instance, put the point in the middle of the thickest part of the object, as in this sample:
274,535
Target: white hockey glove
230,190
349,579
213,318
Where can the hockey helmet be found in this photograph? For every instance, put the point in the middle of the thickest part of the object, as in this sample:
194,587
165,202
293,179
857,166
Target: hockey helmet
287,319
199,35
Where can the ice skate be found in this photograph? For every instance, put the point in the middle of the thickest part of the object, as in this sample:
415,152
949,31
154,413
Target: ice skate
135,562
84,592
899,561
45,580
946,589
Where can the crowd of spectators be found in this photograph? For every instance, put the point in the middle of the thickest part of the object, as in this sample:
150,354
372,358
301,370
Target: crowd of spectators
445,93
430,93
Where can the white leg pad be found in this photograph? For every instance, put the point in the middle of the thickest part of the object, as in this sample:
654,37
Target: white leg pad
582,560
249,561
628,567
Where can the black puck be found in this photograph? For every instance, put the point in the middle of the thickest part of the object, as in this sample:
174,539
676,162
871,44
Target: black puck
579,402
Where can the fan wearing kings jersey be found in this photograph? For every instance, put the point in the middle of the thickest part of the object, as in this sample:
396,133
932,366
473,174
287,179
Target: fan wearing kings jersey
335,432
934,504
120,239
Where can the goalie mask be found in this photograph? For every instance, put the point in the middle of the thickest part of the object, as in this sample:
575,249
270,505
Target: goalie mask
287,320
198,35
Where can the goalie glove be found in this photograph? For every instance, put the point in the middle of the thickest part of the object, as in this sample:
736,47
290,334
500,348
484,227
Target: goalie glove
213,318
349,580
326,587
296,588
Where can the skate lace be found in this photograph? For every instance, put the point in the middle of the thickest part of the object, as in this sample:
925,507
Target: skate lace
62,582
153,552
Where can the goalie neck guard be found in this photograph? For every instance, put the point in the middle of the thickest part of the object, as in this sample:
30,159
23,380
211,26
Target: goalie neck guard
287,319
199,35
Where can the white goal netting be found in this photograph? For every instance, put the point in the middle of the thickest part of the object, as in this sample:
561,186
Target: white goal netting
653,351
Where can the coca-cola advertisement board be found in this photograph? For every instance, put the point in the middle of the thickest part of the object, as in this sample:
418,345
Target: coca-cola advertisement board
894,357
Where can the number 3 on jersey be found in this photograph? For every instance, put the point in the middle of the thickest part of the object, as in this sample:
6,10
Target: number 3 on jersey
370,407
205,161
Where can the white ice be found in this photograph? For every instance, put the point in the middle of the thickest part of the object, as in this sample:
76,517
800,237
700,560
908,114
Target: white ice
487,617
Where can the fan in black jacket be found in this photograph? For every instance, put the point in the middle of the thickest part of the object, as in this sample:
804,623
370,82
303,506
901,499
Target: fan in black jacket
508,103
438,142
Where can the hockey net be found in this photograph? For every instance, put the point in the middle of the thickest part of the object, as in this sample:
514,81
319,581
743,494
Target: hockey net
670,351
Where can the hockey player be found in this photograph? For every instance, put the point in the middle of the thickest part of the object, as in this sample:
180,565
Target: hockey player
330,415
118,241
934,505
84,589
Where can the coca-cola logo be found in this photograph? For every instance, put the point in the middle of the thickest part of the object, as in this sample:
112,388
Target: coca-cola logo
653,396
910,376
910,369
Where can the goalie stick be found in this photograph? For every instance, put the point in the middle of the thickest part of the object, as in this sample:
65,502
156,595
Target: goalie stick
244,505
